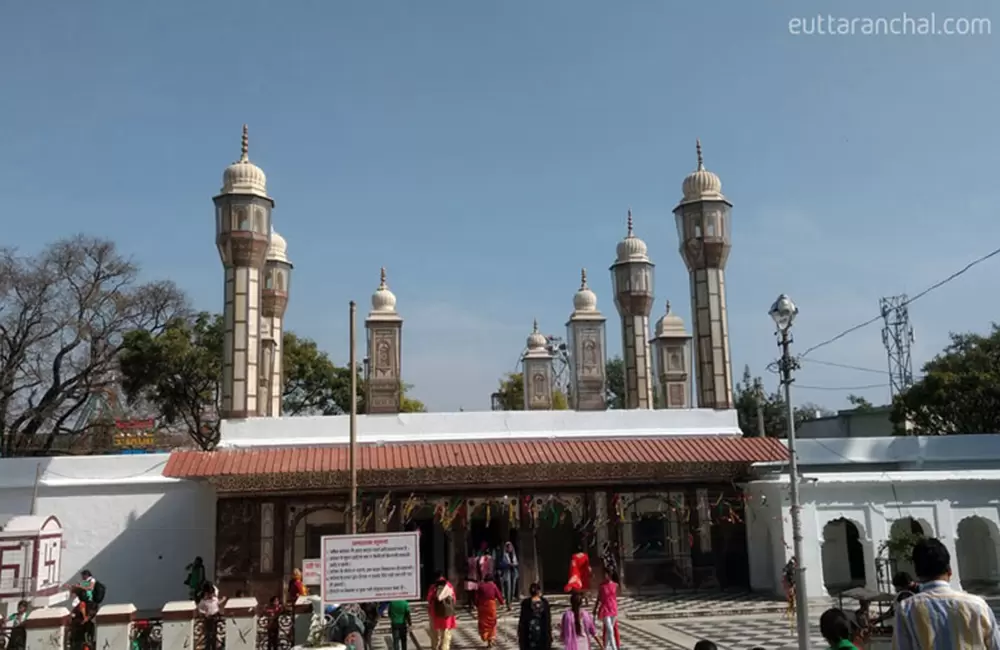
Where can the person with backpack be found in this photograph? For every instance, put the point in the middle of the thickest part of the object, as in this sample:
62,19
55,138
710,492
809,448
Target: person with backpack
441,608
534,626
81,626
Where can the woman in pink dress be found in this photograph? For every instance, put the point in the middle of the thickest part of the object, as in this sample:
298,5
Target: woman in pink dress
577,627
606,611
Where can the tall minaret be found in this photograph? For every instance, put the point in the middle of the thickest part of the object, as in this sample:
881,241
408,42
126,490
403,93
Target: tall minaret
242,233
536,369
672,349
274,301
385,334
632,277
587,350
703,226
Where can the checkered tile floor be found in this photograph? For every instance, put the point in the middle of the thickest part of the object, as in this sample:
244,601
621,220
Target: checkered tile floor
744,633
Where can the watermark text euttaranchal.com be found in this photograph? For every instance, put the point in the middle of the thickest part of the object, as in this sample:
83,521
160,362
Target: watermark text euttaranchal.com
901,25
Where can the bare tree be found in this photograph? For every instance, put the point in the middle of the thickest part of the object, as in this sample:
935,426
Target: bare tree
63,314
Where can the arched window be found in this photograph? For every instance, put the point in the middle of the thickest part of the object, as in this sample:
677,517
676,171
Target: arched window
242,221
280,281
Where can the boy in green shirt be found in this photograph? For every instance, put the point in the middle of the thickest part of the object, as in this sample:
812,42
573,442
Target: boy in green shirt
399,621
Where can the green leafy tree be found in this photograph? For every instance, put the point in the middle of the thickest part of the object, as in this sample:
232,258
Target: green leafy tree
750,397
959,392
860,404
511,394
614,371
63,315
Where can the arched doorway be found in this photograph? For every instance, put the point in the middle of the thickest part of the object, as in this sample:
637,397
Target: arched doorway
901,535
976,548
435,544
308,527
556,541
843,556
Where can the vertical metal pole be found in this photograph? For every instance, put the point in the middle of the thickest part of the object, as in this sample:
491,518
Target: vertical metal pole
354,420
34,489
801,599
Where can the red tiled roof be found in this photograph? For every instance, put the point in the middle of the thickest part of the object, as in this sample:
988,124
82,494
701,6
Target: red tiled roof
471,455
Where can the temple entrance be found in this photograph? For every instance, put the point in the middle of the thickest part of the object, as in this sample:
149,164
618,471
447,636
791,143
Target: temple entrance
309,527
434,547
843,556
556,539
976,548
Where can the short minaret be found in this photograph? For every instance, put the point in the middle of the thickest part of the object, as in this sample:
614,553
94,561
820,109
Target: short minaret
632,277
702,217
536,366
586,338
242,235
672,351
385,331
274,301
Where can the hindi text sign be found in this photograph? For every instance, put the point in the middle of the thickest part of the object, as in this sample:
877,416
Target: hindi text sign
312,572
371,568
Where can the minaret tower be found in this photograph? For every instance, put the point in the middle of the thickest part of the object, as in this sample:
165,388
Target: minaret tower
632,277
536,368
672,350
274,301
704,232
587,350
385,333
242,234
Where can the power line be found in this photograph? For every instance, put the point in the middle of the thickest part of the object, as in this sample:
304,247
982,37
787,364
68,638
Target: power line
844,365
909,301
841,388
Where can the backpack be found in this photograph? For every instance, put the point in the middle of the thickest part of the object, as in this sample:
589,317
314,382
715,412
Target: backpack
98,592
443,608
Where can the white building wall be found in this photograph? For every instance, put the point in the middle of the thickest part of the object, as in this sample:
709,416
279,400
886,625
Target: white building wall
133,528
939,502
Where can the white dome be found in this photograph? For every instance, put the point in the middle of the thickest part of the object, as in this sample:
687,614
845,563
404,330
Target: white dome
277,249
537,340
631,248
701,184
585,299
244,177
670,325
383,300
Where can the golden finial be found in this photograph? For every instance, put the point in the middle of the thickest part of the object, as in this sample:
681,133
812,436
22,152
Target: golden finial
382,281
245,149
701,161
630,234
583,279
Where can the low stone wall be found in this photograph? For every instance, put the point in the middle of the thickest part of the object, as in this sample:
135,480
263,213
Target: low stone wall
242,624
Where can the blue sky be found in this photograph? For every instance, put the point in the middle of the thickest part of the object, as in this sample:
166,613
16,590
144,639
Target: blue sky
485,151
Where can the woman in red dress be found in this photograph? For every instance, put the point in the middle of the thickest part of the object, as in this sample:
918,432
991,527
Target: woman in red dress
579,572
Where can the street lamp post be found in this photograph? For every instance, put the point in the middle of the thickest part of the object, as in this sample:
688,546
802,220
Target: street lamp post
783,311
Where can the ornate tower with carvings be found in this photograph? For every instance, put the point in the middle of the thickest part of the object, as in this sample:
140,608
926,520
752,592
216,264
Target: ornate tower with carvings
385,334
672,352
632,278
274,301
536,366
704,231
586,340
242,235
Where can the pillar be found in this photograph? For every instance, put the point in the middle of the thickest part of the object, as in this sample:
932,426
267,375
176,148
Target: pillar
384,325
45,629
536,369
586,329
178,625
241,623
632,278
114,626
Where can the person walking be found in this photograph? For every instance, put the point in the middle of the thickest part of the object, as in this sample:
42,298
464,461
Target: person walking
195,578
577,628
606,611
441,609
487,599
534,625
399,623
939,617
835,627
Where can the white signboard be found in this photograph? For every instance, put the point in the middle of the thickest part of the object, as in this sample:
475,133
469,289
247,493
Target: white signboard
312,572
371,568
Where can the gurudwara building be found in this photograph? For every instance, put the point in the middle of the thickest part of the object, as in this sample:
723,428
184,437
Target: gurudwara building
655,484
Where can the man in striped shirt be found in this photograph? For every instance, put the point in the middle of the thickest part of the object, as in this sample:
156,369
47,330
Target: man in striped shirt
940,618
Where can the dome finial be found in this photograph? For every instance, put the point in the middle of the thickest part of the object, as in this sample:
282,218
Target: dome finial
630,233
535,330
245,148
583,279
701,160
668,306
382,281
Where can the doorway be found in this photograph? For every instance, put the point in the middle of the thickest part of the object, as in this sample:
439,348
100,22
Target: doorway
434,548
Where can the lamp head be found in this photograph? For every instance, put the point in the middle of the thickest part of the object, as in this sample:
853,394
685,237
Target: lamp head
783,312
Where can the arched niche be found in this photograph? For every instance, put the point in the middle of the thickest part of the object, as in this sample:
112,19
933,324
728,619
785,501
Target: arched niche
907,527
977,547
845,555
306,528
